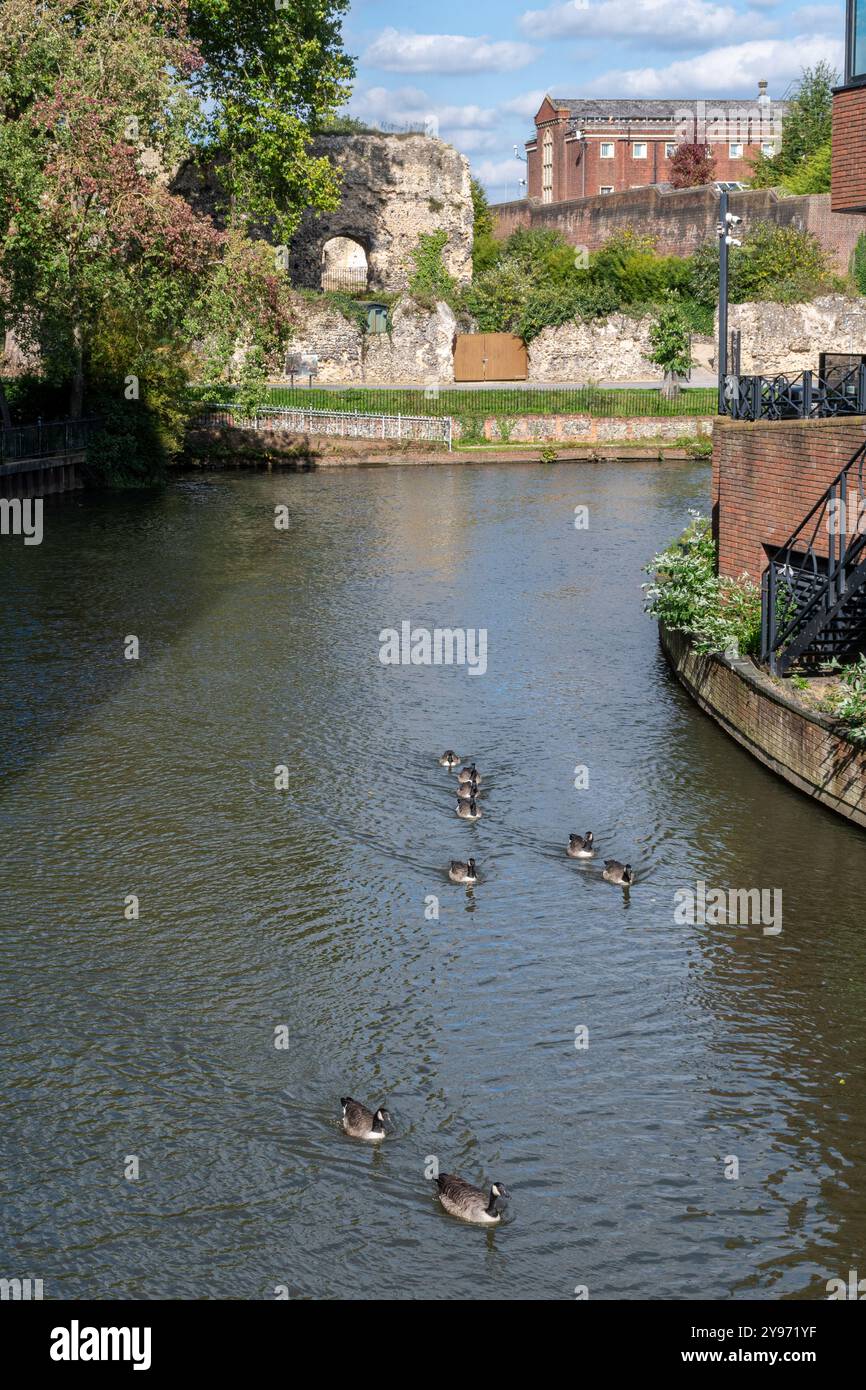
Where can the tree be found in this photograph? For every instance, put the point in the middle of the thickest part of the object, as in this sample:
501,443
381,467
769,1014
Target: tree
670,347
805,132
106,272
272,73
485,247
92,112
692,165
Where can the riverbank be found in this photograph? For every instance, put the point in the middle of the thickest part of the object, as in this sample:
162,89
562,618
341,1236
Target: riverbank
808,749
239,447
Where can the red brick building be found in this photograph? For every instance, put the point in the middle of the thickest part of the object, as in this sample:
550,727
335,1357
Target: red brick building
849,119
583,147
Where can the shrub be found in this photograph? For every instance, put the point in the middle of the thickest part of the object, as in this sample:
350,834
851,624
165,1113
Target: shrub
858,263
852,706
688,596
430,280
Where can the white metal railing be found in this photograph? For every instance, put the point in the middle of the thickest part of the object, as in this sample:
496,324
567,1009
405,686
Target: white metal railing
347,424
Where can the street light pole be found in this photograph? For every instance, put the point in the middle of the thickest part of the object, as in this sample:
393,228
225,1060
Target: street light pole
727,220
722,356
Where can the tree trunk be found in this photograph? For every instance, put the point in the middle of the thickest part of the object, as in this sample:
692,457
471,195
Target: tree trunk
671,386
5,416
76,389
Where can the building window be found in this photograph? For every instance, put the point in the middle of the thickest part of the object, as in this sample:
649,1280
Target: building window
547,168
855,59
768,149
606,151
735,150
638,150
606,188
670,149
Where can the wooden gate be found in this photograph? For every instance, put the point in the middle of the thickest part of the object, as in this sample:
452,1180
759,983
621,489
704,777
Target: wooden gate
489,357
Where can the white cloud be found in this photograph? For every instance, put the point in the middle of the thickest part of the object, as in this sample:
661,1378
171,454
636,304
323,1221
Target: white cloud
684,24
525,105
411,105
733,70
396,51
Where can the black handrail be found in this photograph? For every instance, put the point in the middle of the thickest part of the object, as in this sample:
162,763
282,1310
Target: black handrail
790,619
45,439
806,396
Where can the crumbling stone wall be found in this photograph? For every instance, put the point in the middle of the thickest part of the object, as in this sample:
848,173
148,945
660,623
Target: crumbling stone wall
788,337
419,349
395,187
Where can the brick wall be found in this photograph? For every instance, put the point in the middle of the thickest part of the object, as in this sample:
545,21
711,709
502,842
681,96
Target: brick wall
800,746
579,171
681,221
849,150
767,477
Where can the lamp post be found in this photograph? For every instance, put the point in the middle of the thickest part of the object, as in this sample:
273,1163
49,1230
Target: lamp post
727,220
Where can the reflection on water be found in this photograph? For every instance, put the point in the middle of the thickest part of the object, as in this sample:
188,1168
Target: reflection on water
311,909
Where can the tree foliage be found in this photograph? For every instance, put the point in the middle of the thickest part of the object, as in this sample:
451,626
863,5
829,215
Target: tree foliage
805,140
270,74
107,274
692,165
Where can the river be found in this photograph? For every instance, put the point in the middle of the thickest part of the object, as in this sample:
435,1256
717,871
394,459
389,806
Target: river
171,1083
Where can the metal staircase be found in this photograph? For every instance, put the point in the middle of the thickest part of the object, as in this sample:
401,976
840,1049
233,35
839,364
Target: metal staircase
813,597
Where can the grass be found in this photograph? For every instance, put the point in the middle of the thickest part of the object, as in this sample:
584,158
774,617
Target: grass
466,402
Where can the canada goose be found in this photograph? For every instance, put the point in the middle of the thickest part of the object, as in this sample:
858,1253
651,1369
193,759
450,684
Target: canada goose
581,846
469,774
461,1199
362,1123
469,810
463,873
449,759
615,872
466,791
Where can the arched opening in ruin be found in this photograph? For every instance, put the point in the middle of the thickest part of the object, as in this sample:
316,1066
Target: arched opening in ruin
344,265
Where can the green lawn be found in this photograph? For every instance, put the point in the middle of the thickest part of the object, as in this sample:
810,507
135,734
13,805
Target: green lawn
465,402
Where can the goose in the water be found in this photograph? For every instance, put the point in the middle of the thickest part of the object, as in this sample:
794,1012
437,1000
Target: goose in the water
469,810
469,774
463,873
466,791
461,1199
449,759
581,846
362,1123
618,873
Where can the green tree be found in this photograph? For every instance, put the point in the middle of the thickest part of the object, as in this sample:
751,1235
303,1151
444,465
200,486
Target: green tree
805,130
269,76
485,248
670,346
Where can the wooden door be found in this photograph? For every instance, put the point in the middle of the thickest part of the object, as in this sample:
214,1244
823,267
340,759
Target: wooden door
489,357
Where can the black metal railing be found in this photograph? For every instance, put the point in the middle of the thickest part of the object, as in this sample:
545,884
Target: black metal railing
813,592
346,281
807,396
45,440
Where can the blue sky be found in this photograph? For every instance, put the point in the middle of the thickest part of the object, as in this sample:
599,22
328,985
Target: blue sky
481,69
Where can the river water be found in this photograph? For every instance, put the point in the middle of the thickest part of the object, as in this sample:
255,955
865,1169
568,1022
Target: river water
287,950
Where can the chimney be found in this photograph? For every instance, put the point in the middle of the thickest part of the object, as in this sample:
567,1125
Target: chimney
762,91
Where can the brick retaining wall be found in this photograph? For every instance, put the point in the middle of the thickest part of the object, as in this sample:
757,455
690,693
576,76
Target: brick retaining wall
796,744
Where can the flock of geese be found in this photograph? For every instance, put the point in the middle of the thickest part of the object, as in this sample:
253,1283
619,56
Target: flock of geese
468,791
459,1197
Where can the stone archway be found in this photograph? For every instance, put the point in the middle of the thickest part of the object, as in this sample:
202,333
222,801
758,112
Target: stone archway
345,265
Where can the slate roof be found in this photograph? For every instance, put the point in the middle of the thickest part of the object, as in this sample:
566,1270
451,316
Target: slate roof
667,108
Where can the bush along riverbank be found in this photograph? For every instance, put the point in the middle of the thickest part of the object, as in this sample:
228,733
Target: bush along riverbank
722,616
